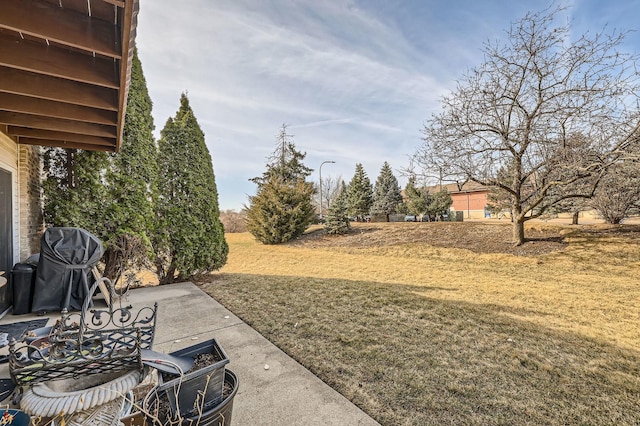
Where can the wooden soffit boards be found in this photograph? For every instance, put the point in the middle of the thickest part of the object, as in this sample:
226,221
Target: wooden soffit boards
65,67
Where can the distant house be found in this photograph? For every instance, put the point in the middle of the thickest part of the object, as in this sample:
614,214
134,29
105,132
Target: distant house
470,198
64,77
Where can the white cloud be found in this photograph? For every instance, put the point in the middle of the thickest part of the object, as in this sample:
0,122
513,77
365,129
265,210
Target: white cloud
354,80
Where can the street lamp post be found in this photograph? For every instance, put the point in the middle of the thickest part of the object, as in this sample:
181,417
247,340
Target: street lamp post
320,171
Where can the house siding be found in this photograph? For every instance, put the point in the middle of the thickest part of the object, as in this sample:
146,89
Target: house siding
470,199
31,219
25,164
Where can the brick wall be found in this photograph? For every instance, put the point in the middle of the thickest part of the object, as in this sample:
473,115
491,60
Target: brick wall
31,220
471,203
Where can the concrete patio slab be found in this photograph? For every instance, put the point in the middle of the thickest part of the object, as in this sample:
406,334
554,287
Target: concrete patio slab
284,394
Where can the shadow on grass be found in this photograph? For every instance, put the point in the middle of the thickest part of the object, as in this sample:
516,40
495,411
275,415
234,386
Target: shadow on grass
615,244
557,240
315,233
406,358
626,230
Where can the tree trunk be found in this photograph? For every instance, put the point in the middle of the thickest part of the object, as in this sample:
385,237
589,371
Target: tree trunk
574,218
69,166
518,232
169,277
112,264
165,276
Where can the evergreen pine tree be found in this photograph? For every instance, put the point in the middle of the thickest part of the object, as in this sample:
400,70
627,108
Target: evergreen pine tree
359,194
439,203
337,219
190,237
386,193
282,208
418,199
132,182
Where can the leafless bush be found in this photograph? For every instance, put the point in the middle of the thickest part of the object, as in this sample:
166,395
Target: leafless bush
124,255
234,221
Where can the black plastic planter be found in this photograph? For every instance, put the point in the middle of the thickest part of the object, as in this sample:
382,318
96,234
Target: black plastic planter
212,414
200,387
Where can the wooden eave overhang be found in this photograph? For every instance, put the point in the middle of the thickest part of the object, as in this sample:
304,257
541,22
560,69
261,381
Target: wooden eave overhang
65,67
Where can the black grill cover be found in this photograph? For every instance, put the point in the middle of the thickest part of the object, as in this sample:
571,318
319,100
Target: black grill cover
63,277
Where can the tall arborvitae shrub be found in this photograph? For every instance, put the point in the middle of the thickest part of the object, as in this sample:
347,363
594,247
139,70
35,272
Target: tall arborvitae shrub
337,221
111,196
189,239
132,182
386,193
74,190
282,208
359,194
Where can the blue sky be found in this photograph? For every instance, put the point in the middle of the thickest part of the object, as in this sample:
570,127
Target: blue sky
354,80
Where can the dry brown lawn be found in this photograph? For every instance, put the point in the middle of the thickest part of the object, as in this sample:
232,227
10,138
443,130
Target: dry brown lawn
449,323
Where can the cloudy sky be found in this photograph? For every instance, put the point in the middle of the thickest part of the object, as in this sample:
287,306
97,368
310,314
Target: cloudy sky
353,79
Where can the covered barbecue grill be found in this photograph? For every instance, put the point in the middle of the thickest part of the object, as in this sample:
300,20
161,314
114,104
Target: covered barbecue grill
64,276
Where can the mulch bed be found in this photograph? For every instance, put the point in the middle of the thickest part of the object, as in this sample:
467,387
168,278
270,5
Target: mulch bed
477,237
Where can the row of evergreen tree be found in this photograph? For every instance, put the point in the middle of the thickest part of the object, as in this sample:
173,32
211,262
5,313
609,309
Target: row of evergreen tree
150,203
360,199
282,208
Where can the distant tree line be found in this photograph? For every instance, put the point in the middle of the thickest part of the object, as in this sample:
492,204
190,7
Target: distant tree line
283,207
234,221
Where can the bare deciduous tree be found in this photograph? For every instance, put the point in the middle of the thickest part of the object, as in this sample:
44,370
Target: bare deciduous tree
524,106
619,192
234,221
330,191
